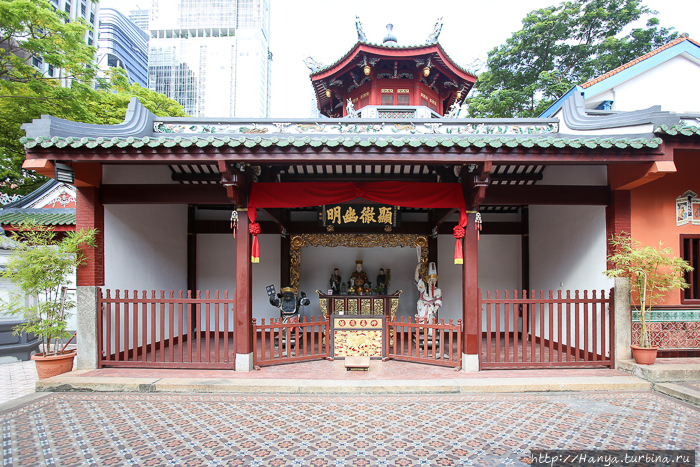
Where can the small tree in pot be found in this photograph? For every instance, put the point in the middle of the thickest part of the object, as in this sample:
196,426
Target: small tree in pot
39,267
652,272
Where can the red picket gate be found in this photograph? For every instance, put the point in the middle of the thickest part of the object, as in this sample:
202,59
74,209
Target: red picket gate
421,342
546,332
165,331
278,343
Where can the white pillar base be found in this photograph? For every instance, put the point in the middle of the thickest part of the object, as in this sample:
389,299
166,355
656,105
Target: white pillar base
87,328
244,362
470,362
623,321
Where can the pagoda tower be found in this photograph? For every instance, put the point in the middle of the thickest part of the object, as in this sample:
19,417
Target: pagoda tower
389,80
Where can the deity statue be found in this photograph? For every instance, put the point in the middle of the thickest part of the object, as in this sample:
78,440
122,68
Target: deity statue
430,296
289,304
352,113
381,281
359,279
335,281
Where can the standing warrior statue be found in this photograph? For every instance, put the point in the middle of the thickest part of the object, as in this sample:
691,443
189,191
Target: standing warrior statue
430,298
289,304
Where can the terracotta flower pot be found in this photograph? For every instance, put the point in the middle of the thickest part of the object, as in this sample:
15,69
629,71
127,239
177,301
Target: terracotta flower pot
52,365
644,355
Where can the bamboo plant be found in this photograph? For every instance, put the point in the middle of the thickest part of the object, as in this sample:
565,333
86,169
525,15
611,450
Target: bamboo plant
39,267
652,272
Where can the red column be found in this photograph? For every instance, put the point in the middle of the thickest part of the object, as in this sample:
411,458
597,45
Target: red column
618,216
470,290
243,313
89,213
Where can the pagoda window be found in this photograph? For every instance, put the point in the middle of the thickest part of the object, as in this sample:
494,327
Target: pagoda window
387,97
403,97
364,100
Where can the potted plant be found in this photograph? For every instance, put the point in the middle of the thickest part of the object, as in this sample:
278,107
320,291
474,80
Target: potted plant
39,268
652,272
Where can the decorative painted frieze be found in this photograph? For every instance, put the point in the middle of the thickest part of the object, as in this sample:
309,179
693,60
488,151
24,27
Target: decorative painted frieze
351,126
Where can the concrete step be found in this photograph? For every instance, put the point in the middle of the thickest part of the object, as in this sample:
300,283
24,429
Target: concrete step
74,381
664,371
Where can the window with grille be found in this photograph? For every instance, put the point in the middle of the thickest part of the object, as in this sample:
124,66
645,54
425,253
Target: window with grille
690,251
364,100
387,97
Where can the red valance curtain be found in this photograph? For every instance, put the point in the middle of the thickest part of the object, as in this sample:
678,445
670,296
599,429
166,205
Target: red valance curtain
412,195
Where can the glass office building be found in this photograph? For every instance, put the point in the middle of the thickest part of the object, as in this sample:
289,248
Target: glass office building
212,56
122,44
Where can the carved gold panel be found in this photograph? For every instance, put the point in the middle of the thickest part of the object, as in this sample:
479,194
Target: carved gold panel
339,305
394,307
378,306
297,242
366,306
323,302
352,306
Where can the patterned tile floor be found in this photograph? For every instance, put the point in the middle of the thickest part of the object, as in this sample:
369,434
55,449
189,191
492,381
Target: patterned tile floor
70,429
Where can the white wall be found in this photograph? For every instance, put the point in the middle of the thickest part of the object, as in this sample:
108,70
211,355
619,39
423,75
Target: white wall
669,81
146,247
567,248
216,269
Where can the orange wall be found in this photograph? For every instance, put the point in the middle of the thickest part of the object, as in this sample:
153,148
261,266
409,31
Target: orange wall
654,211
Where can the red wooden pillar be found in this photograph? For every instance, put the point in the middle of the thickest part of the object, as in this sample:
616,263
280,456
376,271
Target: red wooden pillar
243,312
470,290
90,214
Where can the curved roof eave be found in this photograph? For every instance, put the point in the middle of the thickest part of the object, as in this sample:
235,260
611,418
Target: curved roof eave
388,51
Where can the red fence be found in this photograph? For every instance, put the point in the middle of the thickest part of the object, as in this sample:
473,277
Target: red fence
546,332
165,331
434,343
278,342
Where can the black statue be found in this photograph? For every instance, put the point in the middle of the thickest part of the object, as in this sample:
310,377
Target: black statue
335,282
289,304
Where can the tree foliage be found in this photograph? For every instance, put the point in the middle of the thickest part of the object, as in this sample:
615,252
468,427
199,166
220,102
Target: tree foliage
32,29
652,272
39,267
559,47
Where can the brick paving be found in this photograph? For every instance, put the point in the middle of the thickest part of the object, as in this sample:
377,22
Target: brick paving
70,429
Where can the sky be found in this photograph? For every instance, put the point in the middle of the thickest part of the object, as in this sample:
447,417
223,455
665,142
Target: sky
325,30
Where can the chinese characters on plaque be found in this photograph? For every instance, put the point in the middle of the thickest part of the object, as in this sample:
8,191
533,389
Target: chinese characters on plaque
688,209
358,215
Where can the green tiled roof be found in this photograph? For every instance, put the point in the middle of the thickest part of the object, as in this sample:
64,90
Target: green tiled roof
13,218
474,141
684,130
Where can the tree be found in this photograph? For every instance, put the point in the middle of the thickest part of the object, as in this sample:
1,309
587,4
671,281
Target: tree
32,30
559,47
652,273
39,268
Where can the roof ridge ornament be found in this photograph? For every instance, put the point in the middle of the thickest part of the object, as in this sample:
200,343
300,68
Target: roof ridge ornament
312,64
361,37
390,38
433,37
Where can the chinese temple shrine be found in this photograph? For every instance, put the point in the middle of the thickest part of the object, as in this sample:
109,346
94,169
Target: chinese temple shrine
391,228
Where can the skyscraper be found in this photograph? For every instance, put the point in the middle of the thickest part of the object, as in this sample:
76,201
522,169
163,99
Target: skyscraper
122,44
76,9
212,56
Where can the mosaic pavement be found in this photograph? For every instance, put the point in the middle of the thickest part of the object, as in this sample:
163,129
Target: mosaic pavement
67,429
